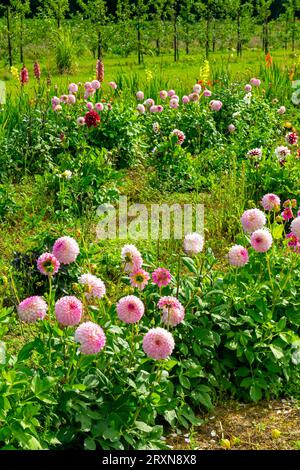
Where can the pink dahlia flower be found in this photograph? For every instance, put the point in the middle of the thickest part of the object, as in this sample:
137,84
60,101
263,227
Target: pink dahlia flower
48,264
90,106
180,136
171,93
91,338
63,98
207,93
99,106
248,87
173,316
295,227
215,105
161,277
231,128
73,88
197,88
185,99
32,309
194,97
193,243
149,102
159,108
57,108
68,310
287,214
238,256
253,219
139,278
261,240
158,343
96,84
174,104
140,95
169,302
66,250
270,202
113,85
282,153
71,99
131,258
95,287
80,121
141,108
163,94
55,101
255,81
153,109
130,309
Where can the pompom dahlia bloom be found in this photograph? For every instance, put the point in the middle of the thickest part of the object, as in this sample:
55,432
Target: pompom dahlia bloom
180,136
149,102
32,309
161,277
80,121
231,128
261,240
66,250
141,108
295,227
185,99
158,343
270,202
94,286
174,104
281,110
73,88
71,99
171,93
48,264
282,153
194,97
68,310
131,258
215,105
99,106
173,316
169,302
163,94
256,153
96,84
207,93
193,243
287,214
139,278
130,309
91,338
197,88
90,106
291,138
253,219
255,81
140,95
113,85
248,87
238,256
92,118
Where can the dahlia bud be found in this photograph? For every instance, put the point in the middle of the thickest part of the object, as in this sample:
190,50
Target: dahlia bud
100,71
24,76
37,70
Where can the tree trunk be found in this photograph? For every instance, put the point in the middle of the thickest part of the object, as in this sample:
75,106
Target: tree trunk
266,37
9,36
239,42
207,38
21,40
175,40
157,47
187,42
294,30
99,46
214,36
139,43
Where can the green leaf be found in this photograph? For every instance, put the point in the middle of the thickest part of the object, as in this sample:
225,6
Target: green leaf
204,399
189,263
170,416
143,426
184,381
277,351
277,231
89,444
255,393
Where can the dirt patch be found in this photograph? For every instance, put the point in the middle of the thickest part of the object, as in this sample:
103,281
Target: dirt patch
273,425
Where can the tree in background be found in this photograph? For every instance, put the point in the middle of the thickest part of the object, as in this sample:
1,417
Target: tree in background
241,12
174,11
20,9
96,12
187,17
292,8
123,16
210,11
56,8
264,13
140,11
158,16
